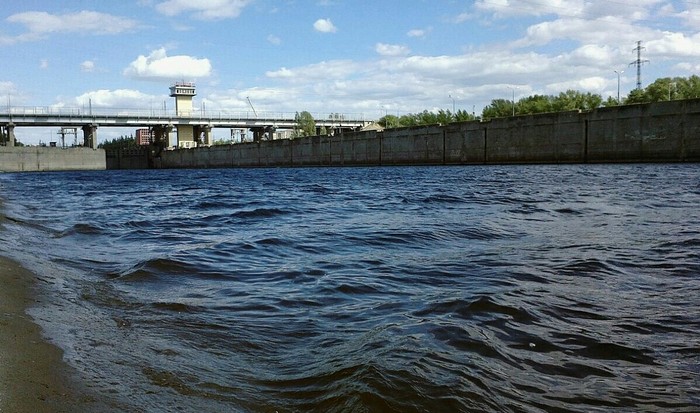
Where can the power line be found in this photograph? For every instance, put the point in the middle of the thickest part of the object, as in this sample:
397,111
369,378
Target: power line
639,62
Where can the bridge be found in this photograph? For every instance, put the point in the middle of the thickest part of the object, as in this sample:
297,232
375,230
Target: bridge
162,122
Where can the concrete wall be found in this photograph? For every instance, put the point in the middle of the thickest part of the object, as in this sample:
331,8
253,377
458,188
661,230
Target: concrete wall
134,158
658,132
35,159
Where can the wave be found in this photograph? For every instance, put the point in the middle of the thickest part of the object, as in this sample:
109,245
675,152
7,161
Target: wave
259,213
81,228
159,270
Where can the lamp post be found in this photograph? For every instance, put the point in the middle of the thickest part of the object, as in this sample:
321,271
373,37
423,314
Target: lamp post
669,89
618,85
513,101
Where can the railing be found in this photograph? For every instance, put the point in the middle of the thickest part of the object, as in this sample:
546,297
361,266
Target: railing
75,112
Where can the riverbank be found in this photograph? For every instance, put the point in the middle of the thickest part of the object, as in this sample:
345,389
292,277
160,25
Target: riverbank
33,377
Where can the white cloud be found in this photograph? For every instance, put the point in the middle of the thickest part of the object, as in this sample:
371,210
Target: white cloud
595,83
7,88
44,64
40,24
391,49
419,32
462,17
564,8
326,70
325,26
675,45
691,17
203,9
158,65
87,66
689,68
120,98
272,39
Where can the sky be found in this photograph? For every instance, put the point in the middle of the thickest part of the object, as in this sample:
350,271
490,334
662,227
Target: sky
364,59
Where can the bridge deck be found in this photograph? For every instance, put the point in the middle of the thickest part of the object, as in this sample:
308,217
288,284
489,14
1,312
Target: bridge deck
69,117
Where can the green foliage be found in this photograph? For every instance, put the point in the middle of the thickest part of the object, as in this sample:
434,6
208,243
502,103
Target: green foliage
390,121
569,100
667,89
122,142
305,125
498,108
425,118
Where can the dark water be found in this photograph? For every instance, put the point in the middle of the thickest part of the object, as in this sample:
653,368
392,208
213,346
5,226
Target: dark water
504,288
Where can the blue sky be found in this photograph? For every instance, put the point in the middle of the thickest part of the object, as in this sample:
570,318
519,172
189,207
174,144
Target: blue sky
361,58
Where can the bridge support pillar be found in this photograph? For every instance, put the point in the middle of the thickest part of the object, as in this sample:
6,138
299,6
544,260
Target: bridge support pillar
10,131
90,136
202,135
161,135
270,132
258,134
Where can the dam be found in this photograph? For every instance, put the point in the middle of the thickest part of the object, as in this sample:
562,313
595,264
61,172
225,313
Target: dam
654,132
666,131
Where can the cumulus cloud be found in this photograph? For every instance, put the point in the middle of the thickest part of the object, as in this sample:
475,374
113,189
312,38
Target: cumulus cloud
203,9
675,45
325,26
39,24
158,65
384,49
326,70
120,98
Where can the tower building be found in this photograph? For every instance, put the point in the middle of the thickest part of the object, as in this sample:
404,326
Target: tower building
192,135
183,92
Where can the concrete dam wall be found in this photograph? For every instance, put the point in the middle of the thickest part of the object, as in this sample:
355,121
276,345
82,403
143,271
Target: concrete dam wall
655,132
38,159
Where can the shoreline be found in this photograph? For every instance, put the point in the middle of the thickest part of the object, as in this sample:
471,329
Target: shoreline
33,376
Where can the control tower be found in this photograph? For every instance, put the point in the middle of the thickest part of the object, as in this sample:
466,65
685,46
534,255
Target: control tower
183,92
188,136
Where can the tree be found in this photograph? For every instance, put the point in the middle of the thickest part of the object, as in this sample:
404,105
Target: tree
611,102
463,116
573,100
535,104
122,142
390,121
305,125
666,89
498,108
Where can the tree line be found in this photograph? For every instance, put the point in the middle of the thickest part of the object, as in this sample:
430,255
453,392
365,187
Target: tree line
661,90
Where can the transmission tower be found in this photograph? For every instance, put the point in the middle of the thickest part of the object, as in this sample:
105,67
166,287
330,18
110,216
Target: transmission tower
639,62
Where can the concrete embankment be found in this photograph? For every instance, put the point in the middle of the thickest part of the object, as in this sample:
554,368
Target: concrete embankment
656,132
37,159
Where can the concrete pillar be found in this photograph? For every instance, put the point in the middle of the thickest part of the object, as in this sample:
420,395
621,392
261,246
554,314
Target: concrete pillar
10,130
271,132
90,136
202,135
161,135
258,134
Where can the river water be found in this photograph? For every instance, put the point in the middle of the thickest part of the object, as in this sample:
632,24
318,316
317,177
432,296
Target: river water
408,289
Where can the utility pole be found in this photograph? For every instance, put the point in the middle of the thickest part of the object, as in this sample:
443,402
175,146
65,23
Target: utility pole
618,85
639,62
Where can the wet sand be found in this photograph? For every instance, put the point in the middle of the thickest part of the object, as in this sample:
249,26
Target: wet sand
33,377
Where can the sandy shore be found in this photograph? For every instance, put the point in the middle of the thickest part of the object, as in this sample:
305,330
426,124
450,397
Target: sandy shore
33,377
